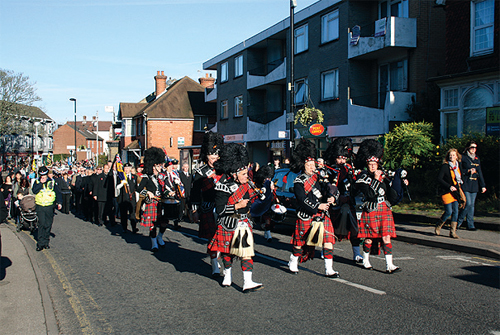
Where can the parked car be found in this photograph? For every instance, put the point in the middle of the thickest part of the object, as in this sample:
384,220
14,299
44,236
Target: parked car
283,180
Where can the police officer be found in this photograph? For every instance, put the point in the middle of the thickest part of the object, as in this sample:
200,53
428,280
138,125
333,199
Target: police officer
46,194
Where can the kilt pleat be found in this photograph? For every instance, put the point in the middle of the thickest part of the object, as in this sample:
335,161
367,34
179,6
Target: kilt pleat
222,239
378,223
302,227
150,214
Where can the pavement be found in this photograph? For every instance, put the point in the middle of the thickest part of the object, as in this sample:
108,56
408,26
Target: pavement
26,307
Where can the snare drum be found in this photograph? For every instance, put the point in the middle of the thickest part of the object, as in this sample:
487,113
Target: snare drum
279,213
170,208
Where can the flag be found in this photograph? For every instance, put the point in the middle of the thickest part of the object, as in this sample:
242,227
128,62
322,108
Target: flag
33,165
49,162
119,168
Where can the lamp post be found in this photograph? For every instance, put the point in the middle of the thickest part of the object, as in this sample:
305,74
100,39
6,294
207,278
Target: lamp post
74,100
291,84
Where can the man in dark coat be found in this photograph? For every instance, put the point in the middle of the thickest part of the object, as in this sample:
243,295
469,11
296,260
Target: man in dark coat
103,192
187,180
126,199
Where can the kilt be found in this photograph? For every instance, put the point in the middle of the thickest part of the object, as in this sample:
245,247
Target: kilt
302,227
207,225
222,239
150,214
378,223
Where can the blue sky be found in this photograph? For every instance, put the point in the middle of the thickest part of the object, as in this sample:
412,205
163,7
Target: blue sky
103,52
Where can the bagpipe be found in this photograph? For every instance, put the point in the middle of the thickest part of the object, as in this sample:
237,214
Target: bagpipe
398,180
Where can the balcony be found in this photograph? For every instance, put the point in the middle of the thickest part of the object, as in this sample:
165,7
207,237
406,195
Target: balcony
368,121
374,42
211,94
267,74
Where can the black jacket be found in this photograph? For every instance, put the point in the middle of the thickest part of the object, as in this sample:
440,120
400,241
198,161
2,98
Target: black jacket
473,182
186,181
445,181
129,196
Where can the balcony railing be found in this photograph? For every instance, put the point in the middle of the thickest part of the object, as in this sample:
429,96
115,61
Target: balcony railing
267,74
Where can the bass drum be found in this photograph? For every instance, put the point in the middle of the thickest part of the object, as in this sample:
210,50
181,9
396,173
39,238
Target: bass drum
170,209
279,213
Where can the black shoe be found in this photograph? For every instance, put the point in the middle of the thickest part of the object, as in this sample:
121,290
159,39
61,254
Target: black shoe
135,230
472,229
47,247
154,249
38,248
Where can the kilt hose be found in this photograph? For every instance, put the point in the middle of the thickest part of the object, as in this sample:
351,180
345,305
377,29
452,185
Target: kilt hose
208,226
378,223
222,239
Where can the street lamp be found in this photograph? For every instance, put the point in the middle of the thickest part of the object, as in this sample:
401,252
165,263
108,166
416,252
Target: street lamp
74,100
291,85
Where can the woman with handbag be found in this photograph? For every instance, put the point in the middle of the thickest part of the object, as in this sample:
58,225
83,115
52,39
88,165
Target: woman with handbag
450,179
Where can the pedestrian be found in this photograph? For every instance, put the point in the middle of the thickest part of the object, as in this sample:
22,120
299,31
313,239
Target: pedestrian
276,162
261,209
376,225
343,213
47,195
64,184
313,226
126,199
6,189
21,190
103,193
473,181
202,197
187,180
450,180
233,198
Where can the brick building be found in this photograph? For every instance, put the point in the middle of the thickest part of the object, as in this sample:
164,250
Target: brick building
87,142
470,84
173,116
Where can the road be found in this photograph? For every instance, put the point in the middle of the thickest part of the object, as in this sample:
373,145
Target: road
104,282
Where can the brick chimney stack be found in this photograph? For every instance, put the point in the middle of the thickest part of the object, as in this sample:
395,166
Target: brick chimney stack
161,83
207,82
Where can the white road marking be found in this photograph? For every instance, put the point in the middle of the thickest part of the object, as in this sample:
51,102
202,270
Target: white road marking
465,259
394,258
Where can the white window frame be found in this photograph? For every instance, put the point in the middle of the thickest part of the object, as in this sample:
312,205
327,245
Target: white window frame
474,29
332,93
238,101
304,87
238,66
447,97
301,34
224,75
330,20
201,120
224,110
403,10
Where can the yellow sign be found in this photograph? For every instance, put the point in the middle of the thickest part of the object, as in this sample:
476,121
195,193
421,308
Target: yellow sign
493,121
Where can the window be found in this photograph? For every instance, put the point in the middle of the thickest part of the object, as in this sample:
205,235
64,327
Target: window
200,122
451,98
132,128
301,91
238,66
223,72
144,126
393,77
224,113
330,85
475,103
451,124
330,27
398,8
482,20
238,106
301,41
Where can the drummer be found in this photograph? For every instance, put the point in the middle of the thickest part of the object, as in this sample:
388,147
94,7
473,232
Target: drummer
313,227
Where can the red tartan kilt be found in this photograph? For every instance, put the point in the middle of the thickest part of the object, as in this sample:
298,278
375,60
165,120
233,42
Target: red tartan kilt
207,225
222,240
378,223
299,237
150,214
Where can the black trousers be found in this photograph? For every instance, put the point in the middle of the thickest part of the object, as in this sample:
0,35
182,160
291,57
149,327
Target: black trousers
45,220
127,210
66,197
105,211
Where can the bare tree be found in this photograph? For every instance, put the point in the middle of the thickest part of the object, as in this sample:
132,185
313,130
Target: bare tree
17,95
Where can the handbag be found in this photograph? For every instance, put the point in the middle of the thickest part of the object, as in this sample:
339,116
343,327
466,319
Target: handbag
462,200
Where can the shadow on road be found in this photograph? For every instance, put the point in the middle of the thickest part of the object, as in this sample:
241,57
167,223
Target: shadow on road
5,262
483,275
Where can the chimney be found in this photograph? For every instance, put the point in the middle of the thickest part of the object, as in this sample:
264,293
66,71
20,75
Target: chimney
207,82
84,119
161,83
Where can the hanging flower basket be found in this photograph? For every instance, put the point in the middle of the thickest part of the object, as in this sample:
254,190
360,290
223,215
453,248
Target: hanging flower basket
307,115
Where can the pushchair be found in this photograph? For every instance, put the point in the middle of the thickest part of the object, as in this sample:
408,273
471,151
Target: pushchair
28,219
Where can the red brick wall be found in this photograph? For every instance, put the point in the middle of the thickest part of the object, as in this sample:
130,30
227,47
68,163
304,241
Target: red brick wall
159,133
65,136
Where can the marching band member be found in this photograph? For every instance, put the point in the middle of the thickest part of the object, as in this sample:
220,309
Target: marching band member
377,223
343,214
150,188
313,227
233,196
173,183
203,191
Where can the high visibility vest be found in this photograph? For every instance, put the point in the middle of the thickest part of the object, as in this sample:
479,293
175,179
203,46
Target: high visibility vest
47,195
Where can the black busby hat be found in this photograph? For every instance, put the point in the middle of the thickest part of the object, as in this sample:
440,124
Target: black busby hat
340,147
233,158
212,143
304,152
153,156
369,151
42,171
265,172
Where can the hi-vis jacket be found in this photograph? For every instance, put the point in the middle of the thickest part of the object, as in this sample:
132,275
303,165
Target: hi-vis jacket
47,193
